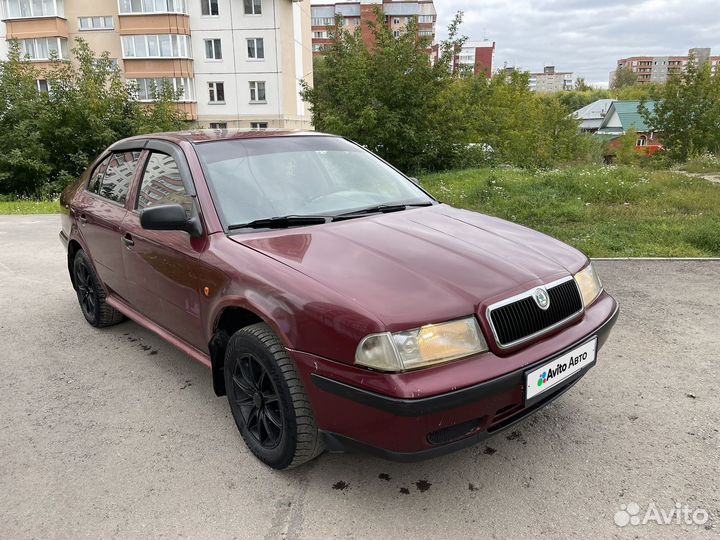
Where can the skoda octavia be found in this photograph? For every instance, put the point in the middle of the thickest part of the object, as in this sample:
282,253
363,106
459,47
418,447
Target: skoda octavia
336,303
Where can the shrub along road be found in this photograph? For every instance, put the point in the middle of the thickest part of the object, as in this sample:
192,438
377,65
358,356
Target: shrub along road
114,433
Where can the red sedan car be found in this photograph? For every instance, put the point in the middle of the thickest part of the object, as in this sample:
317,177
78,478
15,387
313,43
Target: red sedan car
337,304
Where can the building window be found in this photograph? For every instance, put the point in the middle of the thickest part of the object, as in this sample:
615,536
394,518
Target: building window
42,85
96,23
323,21
642,140
44,48
396,20
425,33
213,49
253,7
256,48
426,19
396,33
257,91
129,7
162,46
218,125
210,7
258,125
22,9
217,92
147,89
320,35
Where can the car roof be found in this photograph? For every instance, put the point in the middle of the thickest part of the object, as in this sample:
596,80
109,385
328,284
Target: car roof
206,135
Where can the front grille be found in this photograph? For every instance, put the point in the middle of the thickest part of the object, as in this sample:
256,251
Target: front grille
522,319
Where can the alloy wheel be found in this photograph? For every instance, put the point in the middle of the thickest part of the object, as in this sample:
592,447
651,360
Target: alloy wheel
257,399
86,289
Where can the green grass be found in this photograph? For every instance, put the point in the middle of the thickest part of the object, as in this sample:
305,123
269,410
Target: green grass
704,163
27,206
604,211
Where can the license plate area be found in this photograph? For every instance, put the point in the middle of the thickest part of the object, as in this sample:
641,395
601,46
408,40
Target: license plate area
542,379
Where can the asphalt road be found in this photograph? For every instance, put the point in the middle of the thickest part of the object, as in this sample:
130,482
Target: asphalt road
114,433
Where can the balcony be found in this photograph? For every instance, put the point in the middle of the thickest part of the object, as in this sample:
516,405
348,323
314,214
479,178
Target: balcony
157,67
154,23
29,28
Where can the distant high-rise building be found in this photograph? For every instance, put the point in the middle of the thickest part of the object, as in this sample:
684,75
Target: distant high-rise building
657,69
397,14
550,80
477,57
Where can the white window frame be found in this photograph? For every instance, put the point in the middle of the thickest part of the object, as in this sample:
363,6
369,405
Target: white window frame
141,7
143,86
177,42
209,4
60,45
212,92
255,88
58,9
259,126
254,42
104,19
215,48
218,125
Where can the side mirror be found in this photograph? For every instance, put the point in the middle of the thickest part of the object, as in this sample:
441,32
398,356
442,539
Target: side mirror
414,180
169,217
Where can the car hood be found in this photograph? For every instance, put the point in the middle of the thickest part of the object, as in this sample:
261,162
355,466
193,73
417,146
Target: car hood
421,265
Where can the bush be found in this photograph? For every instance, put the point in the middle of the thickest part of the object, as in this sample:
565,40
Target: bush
49,138
701,163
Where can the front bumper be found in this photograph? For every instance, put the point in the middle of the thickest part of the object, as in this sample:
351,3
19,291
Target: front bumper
407,428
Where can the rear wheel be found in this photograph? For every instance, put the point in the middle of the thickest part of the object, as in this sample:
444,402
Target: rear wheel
91,294
268,400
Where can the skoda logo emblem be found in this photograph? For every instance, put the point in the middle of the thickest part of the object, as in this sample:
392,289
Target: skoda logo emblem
541,298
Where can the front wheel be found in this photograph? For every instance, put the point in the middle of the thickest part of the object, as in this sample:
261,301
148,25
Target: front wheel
268,400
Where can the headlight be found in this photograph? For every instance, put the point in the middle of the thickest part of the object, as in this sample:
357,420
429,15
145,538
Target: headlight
589,284
421,347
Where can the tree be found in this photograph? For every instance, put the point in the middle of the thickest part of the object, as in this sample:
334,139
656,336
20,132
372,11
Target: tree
421,115
623,76
581,85
687,112
49,138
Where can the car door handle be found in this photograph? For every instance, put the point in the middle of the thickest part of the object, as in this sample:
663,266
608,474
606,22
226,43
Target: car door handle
128,241
82,219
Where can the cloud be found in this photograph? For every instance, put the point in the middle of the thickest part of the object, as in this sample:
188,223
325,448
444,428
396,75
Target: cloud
585,36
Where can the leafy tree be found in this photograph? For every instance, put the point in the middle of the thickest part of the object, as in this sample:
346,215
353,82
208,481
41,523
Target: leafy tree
581,85
623,76
687,112
423,115
48,138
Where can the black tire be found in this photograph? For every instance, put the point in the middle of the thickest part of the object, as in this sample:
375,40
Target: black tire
268,400
91,294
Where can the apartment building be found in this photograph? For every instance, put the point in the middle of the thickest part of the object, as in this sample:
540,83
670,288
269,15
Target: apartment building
551,81
476,57
357,14
237,63
657,69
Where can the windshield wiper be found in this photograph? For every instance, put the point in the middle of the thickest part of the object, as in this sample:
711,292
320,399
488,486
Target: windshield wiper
282,222
382,209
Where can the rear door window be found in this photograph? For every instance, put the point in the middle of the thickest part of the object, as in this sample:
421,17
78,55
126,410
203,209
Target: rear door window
162,184
116,182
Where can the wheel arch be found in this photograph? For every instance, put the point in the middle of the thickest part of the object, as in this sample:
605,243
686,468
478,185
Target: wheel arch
73,247
231,316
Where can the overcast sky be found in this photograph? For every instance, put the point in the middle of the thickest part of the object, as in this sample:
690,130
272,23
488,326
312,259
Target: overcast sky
585,36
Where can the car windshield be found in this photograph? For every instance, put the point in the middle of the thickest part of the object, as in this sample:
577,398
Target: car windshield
270,177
